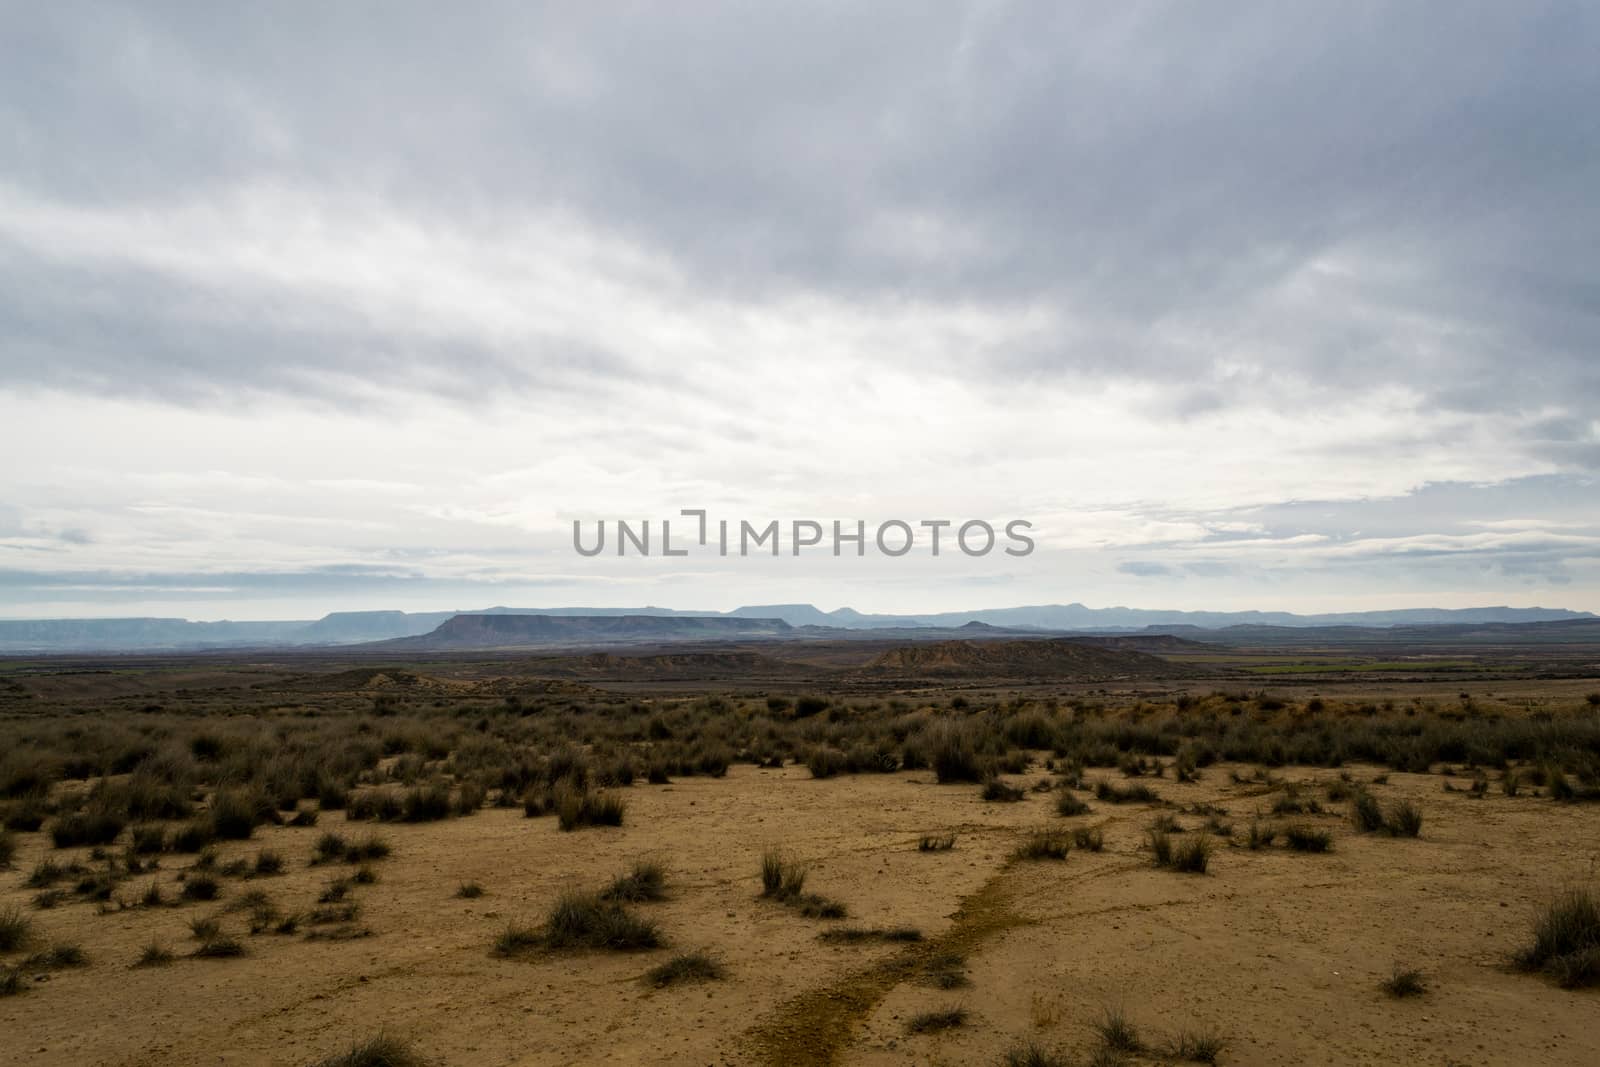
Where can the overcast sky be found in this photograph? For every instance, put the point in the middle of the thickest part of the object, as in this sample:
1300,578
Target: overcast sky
316,307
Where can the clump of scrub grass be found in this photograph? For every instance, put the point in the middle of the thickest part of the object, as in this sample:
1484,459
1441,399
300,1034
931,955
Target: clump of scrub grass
1307,839
645,881
1566,939
220,947
154,955
581,920
1131,793
1047,844
377,1051
1069,804
1195,1046
16,929
936,842
469,891
685,967
853,935
1117,1031
996,790
1032,1054
1404,982
932,1022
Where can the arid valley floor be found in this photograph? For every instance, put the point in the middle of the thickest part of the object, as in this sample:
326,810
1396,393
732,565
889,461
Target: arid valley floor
1031,933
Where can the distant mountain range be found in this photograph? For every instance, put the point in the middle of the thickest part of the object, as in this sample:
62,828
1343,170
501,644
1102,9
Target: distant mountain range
357,627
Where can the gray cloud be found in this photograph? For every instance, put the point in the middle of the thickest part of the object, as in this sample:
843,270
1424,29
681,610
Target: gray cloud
1279,194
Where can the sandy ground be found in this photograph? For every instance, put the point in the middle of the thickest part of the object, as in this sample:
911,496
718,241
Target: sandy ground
1280,952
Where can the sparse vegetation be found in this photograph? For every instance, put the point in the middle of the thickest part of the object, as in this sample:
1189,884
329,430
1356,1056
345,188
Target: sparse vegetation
685,967
1130,793
1117,1031
1032,1054
1404,982
1089,838
154,955
996,790
377,1051
929,1022
1047,844
1191,854
15,929
936,842
645,881
219,947
1307,839
852,935
1566,939
1069,804
582,920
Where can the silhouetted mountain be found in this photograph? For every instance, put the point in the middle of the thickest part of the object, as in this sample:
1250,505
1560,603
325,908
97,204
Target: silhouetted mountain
532,631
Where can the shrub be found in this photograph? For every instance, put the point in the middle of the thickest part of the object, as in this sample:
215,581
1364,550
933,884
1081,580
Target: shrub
15,929
220,947
1566,939
1261,835
947,970
1306,839
148,840
1404,819
378,1051
329,847
25,818
583,920
86,828
469,891
1191,855
582,807
1132,793
371,847
930,1022
1030,1054
1195,1047
1117,1031
853,935
825,762
1404,982
781,878
685,967
201,887
1090,839
8,849
426,803
1069,804
233,815
996,790
1366,813
57,957
204,929
193,836
1044,845
950,751
936,842
268,863
646,881
154,955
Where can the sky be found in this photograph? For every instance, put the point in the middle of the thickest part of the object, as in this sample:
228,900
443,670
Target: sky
1286,306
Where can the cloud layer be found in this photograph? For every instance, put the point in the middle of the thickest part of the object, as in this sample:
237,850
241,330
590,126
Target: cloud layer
1283,306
